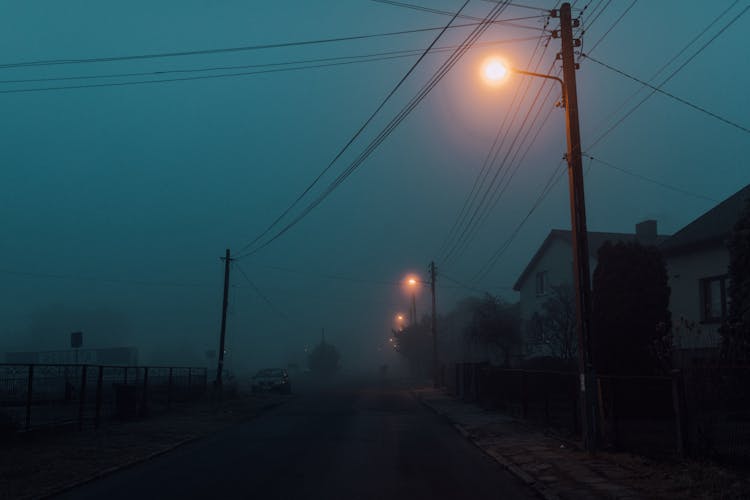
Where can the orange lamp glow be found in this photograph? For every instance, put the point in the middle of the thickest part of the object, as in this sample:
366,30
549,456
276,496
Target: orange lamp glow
494,71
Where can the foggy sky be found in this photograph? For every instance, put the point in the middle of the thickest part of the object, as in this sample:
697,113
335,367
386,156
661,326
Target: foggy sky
124,198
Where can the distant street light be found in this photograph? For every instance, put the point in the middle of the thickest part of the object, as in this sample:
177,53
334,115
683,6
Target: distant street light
494,72
412,283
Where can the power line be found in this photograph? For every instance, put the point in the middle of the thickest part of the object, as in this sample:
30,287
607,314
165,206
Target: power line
469,287
336,277
676,71
354,137
523,6
105,280
617,21
224,50
260,294
651,180
462,16
481,177
667,64
552,181
309,64
668,94
434,80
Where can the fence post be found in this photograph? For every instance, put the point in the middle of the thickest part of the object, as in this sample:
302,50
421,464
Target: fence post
576,404
144,400
169,390
524,397
457,371
29,396
99,383
678,401
82,398
546,403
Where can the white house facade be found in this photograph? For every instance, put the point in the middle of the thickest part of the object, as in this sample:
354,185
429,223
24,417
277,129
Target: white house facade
697,260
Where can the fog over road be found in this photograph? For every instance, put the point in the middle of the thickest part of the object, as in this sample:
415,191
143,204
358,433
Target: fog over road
369,441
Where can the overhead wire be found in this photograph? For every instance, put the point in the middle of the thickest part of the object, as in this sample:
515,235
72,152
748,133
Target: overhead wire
670,95
461,220
76,277
664,66
503,176
665,185
260,294
675,72
221,75
552,181
351,140
549,185
373,56
462,16
480,179
393,124
225,50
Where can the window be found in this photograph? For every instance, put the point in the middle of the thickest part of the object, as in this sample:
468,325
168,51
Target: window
713,299
542,282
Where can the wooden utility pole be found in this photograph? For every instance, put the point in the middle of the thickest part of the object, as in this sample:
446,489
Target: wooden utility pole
224,304
435,367
582,278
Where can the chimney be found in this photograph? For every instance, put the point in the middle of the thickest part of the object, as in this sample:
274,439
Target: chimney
645,232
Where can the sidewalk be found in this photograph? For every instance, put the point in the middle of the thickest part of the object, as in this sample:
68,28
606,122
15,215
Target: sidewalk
44,465
557,469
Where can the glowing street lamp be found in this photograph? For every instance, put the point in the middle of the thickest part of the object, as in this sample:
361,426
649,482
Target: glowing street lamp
412,283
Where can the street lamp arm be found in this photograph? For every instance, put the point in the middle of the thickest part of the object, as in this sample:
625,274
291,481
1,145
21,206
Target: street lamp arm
540,75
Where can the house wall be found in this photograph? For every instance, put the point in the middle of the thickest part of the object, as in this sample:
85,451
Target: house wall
557,260
685,272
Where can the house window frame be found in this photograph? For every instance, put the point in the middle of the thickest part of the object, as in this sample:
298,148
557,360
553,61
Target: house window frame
541,282
706,298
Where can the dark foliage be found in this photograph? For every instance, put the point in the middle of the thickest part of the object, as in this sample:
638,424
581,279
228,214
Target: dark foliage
414,342
631,322
736,330
557,322
324,359
496,325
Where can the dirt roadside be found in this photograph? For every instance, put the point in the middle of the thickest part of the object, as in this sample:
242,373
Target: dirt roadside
42,465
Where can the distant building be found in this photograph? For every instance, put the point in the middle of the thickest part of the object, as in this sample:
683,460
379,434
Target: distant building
552,265
697,261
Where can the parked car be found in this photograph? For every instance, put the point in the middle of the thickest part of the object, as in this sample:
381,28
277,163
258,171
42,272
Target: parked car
272,380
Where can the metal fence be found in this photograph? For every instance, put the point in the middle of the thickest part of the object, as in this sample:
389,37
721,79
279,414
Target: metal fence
44,395
704,411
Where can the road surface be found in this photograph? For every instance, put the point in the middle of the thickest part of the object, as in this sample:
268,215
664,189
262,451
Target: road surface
364,441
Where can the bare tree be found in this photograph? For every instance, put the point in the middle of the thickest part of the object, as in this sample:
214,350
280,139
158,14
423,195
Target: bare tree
557,322
496,326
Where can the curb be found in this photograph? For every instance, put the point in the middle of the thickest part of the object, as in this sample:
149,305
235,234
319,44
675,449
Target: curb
527,479
117,468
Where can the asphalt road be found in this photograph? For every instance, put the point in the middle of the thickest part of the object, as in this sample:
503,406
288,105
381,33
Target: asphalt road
364,441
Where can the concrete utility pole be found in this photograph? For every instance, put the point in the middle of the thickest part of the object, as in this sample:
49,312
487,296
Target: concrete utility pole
224,304
435,366
582,278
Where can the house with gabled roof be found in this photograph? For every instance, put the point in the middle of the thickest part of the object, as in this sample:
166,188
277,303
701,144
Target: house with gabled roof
697,260
552,266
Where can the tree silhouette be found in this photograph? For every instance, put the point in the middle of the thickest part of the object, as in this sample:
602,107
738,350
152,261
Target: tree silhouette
324,359
496,325
631,322
736,329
